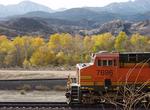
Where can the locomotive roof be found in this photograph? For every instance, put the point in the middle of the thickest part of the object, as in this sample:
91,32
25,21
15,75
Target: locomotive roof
106,52
127,56
134,57
134,53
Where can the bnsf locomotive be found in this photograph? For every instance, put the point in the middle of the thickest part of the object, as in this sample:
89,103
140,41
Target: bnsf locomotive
107,73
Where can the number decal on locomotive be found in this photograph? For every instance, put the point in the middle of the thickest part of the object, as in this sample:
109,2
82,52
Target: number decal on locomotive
104,72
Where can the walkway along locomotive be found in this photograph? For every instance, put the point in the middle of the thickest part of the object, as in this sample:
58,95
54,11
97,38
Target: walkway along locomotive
106,73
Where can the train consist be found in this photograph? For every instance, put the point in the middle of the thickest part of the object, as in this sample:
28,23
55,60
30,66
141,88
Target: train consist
108,73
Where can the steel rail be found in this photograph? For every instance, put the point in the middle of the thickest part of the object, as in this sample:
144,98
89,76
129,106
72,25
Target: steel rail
42,79
64,105
33,104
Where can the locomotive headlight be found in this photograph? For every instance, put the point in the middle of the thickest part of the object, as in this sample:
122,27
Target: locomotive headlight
84,95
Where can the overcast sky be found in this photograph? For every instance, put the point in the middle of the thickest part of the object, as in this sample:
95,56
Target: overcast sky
55,4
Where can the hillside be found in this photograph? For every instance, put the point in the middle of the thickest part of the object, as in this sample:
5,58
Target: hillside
46,27
38,26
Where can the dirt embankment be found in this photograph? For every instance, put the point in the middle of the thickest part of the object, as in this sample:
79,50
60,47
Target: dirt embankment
32,96
25,74
32,90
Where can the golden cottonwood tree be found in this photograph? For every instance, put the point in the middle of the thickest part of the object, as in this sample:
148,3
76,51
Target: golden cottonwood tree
55,42
5,47
103,42
139,43
43,56
64,49
121,42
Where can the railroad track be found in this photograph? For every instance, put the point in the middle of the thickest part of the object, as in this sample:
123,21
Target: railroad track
46,106
33,104
55,106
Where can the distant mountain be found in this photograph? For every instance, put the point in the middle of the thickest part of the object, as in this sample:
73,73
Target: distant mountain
136,10
76,14
132,10
109,12
82,14
28,18
125,8
22,8
40,14
140,16
60,9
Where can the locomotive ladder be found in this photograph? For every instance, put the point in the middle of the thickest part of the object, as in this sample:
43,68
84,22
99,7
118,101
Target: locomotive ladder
75,98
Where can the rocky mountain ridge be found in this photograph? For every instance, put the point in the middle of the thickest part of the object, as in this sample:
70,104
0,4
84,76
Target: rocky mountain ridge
46,27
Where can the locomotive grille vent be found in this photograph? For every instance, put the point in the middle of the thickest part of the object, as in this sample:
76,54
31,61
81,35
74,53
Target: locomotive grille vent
134,58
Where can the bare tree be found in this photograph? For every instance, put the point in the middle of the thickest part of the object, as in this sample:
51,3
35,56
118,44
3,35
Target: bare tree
131,96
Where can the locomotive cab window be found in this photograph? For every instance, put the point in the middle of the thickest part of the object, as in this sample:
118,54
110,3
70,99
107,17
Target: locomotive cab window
104,63
98,62
110,62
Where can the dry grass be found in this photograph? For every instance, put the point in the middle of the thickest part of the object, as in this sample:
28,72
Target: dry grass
31,96
42,88
25,87
59,88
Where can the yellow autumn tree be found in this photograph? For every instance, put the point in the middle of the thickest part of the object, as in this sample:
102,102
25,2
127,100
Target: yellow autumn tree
60,58
55,42
88,44
5,47
121,42
37,42
103,42
42,57
18,44
139,43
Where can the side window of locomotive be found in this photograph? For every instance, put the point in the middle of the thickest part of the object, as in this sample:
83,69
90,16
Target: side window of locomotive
99,62
115,63
110,62
104,63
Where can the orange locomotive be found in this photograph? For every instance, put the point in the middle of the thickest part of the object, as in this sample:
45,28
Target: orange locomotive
107,73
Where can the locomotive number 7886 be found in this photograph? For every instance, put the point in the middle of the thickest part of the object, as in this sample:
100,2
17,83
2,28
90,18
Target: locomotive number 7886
104,72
